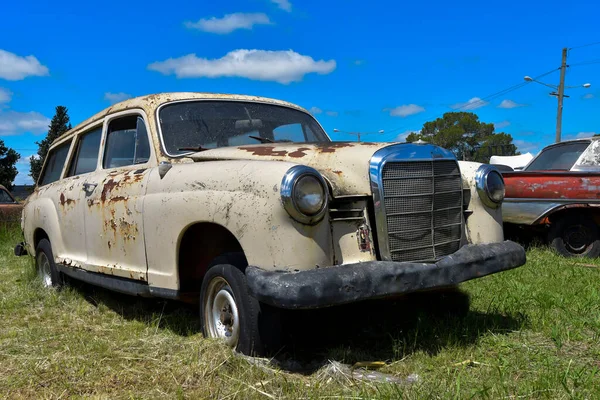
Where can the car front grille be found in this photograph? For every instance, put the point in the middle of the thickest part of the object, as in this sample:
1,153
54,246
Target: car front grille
423,209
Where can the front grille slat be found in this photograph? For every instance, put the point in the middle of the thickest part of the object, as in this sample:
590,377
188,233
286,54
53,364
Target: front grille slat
423,205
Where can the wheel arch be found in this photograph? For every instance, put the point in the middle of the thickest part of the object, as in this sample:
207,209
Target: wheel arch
199,245
556,213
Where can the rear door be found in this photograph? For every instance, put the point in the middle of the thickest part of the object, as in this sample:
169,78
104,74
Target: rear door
114,222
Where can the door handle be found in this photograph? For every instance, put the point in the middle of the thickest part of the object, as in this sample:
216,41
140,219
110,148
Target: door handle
89,188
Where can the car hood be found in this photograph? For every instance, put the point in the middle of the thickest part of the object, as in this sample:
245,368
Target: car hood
344,164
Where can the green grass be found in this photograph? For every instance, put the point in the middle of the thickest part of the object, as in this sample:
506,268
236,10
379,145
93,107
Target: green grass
531,333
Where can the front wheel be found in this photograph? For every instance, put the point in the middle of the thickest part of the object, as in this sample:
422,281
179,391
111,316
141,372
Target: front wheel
575,236
228,312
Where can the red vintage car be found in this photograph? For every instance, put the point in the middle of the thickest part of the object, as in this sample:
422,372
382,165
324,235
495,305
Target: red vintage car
10,209
558,194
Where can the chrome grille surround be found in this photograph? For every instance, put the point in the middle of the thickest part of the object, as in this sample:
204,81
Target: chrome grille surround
418,196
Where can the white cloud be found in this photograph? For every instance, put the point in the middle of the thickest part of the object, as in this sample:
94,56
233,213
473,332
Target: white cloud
332,113
406,110
472,104
263,65
526,147
5,96
582,135
15,68
16,123
116,97
283,4
588,96
25,160
359,62
229,23
501,124
402,136
315,110
510,104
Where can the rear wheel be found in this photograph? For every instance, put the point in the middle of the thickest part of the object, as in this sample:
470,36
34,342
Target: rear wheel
575,236
228,312
46,268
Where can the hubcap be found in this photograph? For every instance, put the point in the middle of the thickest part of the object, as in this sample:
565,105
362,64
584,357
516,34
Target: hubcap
577,239
221,312
44,270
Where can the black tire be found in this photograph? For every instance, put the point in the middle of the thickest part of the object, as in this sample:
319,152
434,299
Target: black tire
253,328
46,268
575,236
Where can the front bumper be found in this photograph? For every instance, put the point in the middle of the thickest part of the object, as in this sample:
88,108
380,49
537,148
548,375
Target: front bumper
377,279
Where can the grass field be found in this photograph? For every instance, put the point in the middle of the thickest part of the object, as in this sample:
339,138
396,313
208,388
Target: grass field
531,333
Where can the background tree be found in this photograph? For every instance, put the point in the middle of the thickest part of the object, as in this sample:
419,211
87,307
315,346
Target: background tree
8,170
59,124
466,136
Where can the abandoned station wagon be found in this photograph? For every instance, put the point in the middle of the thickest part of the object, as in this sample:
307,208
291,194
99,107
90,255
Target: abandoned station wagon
245,205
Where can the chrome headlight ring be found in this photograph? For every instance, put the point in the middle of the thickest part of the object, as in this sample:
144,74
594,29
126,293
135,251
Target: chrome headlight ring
289,193
490,185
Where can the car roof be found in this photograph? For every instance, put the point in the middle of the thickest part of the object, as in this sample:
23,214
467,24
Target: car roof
149,102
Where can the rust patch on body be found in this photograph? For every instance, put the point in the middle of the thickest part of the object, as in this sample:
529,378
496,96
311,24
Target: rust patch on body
265,151
339,173
106,189
299,153
64,200
332,146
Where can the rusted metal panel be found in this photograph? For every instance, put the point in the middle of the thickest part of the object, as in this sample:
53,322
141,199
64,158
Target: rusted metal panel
552,185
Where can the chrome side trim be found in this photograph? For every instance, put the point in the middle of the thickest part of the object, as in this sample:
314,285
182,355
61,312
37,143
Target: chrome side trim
531,211
397,153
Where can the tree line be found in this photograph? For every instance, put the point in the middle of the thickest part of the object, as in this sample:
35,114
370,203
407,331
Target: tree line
461,132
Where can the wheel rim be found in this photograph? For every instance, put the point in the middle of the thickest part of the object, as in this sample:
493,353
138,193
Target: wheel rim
578,239
44,270
221,313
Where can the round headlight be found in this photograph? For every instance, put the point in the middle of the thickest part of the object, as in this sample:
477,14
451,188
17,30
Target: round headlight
490,185
304,194
309,195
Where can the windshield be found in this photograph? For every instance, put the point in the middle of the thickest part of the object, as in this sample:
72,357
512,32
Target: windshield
211,124
5,197
558,158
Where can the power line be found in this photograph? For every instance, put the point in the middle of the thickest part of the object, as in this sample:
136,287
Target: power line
585,45
483,101
597,61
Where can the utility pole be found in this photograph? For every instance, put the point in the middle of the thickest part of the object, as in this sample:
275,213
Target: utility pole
560,91
561,94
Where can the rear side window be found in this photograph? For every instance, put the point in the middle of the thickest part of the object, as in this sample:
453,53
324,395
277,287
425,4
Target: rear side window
558,158
86,153
126,143
54,164
5,197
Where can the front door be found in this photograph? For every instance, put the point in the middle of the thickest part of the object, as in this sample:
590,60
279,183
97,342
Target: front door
114,223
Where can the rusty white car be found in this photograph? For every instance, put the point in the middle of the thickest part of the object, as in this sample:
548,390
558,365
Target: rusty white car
245,205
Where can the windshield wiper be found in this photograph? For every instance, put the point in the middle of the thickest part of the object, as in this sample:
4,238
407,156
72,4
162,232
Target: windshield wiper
267,140
198,148
261,139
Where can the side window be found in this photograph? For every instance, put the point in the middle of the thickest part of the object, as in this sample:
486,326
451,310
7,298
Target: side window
126,142
5,197
290,132
54,164
86,153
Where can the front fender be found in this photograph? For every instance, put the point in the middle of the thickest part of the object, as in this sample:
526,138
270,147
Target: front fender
241,196
484,225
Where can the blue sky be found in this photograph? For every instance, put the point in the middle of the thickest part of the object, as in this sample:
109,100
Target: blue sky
359,66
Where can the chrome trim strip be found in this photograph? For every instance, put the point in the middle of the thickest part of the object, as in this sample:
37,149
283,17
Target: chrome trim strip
398,153
552,200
